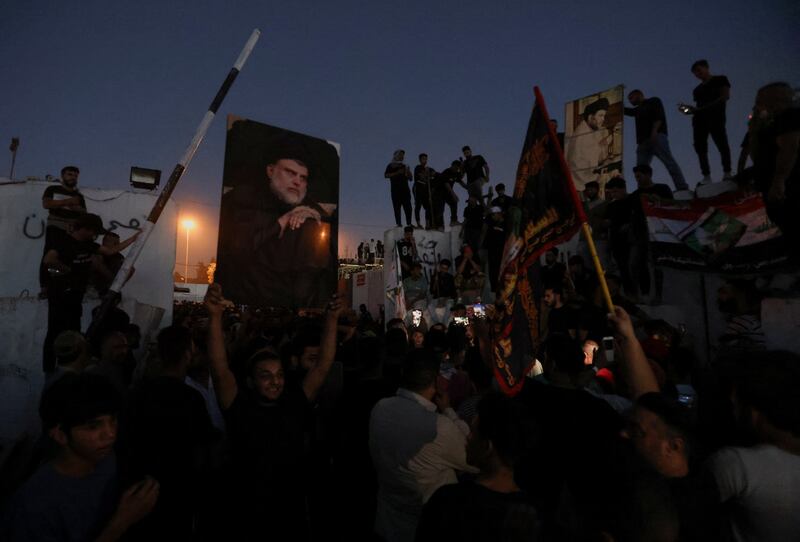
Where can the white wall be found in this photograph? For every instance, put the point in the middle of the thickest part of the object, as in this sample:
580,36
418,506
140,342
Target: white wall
147,297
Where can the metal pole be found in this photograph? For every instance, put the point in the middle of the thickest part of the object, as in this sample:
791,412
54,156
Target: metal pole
186,276
136,249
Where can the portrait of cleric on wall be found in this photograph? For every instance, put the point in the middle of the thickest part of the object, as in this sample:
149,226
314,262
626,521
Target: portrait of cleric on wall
279,217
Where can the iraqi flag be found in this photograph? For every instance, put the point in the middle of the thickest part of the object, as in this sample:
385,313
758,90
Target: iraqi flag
545,213
730,234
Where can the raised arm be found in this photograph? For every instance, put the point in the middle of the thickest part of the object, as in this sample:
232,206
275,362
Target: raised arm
224,381
119,247
317,375
634,364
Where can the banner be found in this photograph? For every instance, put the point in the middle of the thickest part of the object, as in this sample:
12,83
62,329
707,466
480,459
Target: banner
593,137
545,213
278,226
730,233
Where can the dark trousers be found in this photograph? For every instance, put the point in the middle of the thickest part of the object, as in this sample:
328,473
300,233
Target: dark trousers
716,129
401,197
422,201
621,251
52,236
452,202
64,310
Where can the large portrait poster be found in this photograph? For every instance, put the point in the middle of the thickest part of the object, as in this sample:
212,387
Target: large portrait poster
279,217
593,137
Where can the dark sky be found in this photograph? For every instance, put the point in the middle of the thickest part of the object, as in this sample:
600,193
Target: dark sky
105,86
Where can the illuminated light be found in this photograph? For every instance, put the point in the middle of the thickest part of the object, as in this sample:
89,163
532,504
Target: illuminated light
188,223
323,234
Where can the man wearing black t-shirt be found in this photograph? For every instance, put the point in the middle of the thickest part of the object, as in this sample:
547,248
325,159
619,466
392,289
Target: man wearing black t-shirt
502,200
492,507
477,171
267,423
776,165
64,204
639,240
561,320
69,263
407,247
651,135
494,242
474,214
443,283
709,118
167,434
445,193
422,190
399,174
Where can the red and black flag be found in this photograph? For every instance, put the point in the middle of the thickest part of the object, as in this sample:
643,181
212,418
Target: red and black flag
546,212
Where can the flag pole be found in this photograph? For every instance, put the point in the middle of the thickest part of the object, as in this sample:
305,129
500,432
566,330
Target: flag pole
587,232
136,249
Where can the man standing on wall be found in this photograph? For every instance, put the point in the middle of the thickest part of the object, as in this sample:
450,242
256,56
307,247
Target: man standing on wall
64,204
399,174
651,135
710,97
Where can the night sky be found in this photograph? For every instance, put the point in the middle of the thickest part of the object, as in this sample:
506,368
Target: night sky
107,85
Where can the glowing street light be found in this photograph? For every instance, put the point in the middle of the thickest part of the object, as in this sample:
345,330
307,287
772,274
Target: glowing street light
188,224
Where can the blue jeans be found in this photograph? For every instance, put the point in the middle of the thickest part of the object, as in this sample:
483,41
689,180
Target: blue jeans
644,155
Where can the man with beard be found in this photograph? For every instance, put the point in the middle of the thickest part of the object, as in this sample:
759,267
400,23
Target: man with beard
64,204
588,146
273,243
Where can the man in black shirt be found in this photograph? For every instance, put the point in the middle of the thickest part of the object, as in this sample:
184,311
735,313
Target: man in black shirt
709,118
422,190
651,135
399,174
618,223
267,421
494,242
407,247
553,271
443,284
502,200
639,251
64,204
477,171
168,435
474,214
68,262
561,319
492,507
444,193
777,163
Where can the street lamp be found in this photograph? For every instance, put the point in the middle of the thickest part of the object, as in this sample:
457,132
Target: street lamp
188,225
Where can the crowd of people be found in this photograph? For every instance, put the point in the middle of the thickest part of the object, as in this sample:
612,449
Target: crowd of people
248,423
242,424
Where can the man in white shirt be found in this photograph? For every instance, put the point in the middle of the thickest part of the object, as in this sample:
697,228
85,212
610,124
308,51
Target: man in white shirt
761,484
416,446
